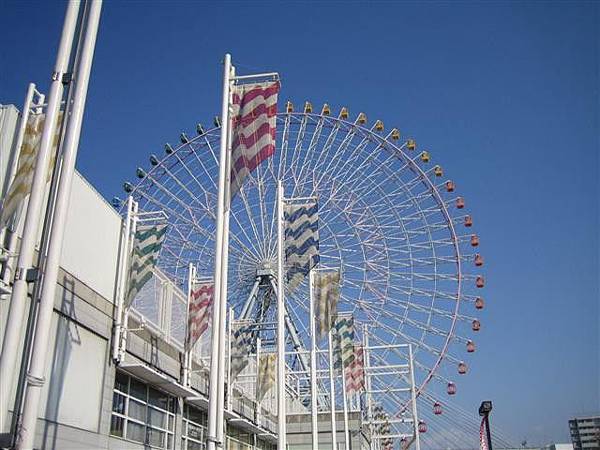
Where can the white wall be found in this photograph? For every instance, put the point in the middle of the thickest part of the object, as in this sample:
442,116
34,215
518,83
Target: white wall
91,243
75,366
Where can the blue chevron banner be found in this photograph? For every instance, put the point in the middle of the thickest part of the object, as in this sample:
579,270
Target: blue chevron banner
343,342
147,243
243,342
326,292
301,241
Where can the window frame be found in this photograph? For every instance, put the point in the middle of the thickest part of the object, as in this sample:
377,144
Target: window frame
170,416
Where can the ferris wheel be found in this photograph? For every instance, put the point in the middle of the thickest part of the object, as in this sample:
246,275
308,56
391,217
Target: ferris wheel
389,220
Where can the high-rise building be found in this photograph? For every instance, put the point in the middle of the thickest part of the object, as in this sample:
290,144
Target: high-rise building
585,432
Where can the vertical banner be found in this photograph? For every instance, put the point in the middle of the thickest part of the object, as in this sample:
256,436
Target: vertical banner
301,241
20,186
147,243
254,114
266,375
200,307
244,341
327,295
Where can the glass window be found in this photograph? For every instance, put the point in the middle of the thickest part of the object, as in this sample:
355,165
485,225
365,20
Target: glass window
159,399
142,414
157,418
118,403
156,438
136,432
116,426
138,389
194,429
137,410
121,382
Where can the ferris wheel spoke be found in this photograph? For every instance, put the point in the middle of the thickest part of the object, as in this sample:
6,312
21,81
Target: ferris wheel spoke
305,164
298,147
341,148
322,155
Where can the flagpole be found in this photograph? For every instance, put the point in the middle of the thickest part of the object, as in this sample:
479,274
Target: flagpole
224,270
18,302
214,409
313,364
332,392
229,334
281,412
367,370
121,286
131,244
259,402
345,402
187,351
413,398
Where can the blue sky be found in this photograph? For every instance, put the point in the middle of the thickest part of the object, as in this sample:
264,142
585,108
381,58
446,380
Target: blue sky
504,94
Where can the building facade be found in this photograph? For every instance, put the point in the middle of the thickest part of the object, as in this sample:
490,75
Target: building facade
585,432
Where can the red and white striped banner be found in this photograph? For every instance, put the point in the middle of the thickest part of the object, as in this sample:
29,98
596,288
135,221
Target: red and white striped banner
253,118
201,297
355,372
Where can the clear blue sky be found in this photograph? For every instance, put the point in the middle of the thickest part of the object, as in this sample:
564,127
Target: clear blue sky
504,94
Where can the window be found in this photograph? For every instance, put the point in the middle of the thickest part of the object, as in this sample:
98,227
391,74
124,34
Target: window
141,413
194,429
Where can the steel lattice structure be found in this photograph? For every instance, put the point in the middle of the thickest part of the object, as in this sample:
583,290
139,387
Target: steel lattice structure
387,218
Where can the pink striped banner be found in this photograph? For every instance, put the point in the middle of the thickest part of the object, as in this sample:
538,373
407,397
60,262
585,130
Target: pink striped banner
254,111
200,307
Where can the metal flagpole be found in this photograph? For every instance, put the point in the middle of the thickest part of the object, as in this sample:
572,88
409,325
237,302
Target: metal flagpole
367,370
187,351
16,313
313,365
229,334
35,375
131,243
332,392
281,412
345,403
214,408
121,287
224,271
259,402
413,398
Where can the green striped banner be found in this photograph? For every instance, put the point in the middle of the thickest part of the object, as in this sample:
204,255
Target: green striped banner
343,340
147,243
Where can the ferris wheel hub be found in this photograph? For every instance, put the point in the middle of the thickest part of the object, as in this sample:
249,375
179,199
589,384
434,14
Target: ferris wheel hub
266,268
